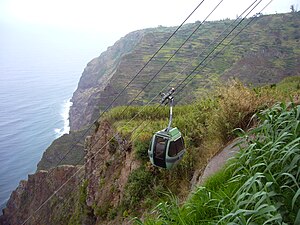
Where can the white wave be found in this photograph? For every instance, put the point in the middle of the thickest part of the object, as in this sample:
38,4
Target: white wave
57,130
65,116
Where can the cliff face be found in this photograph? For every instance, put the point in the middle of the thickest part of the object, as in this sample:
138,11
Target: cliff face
65,150
264,53
118,179
96,80
32,193
108,171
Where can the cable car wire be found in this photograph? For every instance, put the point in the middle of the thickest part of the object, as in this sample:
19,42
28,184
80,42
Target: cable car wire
132,79
79,170
155,110
215,48
250,21
84,165
170,58
210,44
181,90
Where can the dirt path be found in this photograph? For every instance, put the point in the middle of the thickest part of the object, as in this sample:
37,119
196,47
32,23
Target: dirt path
218,161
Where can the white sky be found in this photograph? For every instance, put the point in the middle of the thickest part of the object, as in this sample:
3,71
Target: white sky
121,15
97,24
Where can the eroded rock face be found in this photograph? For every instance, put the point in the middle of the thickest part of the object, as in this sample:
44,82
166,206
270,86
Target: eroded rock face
31,194
94,88
107,170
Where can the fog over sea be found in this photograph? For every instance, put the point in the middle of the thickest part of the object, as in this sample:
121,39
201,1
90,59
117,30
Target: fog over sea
39,71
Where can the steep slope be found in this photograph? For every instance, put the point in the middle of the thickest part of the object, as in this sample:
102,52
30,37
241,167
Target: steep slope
96,79
32,193
65,150
119,182
264,53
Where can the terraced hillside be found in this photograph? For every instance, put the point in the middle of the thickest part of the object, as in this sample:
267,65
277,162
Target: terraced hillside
263,53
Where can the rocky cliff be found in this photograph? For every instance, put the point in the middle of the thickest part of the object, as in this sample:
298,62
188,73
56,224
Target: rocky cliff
31,194
107,173
65,150
95,83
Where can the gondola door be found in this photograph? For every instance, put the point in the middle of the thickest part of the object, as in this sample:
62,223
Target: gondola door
159,151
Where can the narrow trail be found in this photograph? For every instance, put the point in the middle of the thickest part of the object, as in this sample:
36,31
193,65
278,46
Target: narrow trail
218,161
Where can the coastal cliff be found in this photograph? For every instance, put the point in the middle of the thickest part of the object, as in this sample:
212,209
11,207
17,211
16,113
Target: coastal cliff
258,56
31,194
118,182
95,85
264,53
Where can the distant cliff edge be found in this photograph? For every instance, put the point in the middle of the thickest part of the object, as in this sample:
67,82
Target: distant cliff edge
94,88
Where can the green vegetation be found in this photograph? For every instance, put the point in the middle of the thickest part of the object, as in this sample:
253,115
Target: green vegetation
56,153
206,125
139,183
249,57
264,53
82,211
259,186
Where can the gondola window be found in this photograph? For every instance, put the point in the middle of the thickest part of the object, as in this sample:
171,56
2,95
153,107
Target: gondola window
160,147
176,147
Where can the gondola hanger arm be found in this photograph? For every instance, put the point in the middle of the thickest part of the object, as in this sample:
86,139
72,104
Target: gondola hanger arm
168,97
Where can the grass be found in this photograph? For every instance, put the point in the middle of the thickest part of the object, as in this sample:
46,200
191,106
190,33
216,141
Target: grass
259,186
206,126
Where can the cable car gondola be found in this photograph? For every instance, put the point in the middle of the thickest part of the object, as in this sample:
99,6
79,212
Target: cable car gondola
167,145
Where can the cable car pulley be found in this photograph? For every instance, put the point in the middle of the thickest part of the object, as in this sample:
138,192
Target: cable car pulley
167,145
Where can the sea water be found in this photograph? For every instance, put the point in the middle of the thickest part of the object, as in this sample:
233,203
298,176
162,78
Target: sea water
38,74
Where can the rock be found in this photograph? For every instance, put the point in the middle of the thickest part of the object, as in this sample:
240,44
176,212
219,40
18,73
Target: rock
65,150
94,88
25,202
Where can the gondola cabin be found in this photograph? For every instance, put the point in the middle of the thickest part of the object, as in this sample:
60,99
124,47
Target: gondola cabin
166,148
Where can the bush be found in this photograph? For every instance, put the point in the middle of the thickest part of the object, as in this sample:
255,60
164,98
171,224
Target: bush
141,147
138,187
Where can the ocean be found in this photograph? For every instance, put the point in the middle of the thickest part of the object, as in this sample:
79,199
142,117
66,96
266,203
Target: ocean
39,71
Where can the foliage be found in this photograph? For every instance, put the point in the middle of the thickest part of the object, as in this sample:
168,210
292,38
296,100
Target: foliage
138,186
206,126
82,211
58,153
259,186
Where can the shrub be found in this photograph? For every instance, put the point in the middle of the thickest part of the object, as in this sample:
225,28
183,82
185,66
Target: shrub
138,186
141,147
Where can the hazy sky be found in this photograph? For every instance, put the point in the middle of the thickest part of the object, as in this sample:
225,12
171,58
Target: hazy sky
121,15
115,18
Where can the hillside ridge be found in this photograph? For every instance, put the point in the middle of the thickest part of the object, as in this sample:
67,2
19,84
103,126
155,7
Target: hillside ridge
264,53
